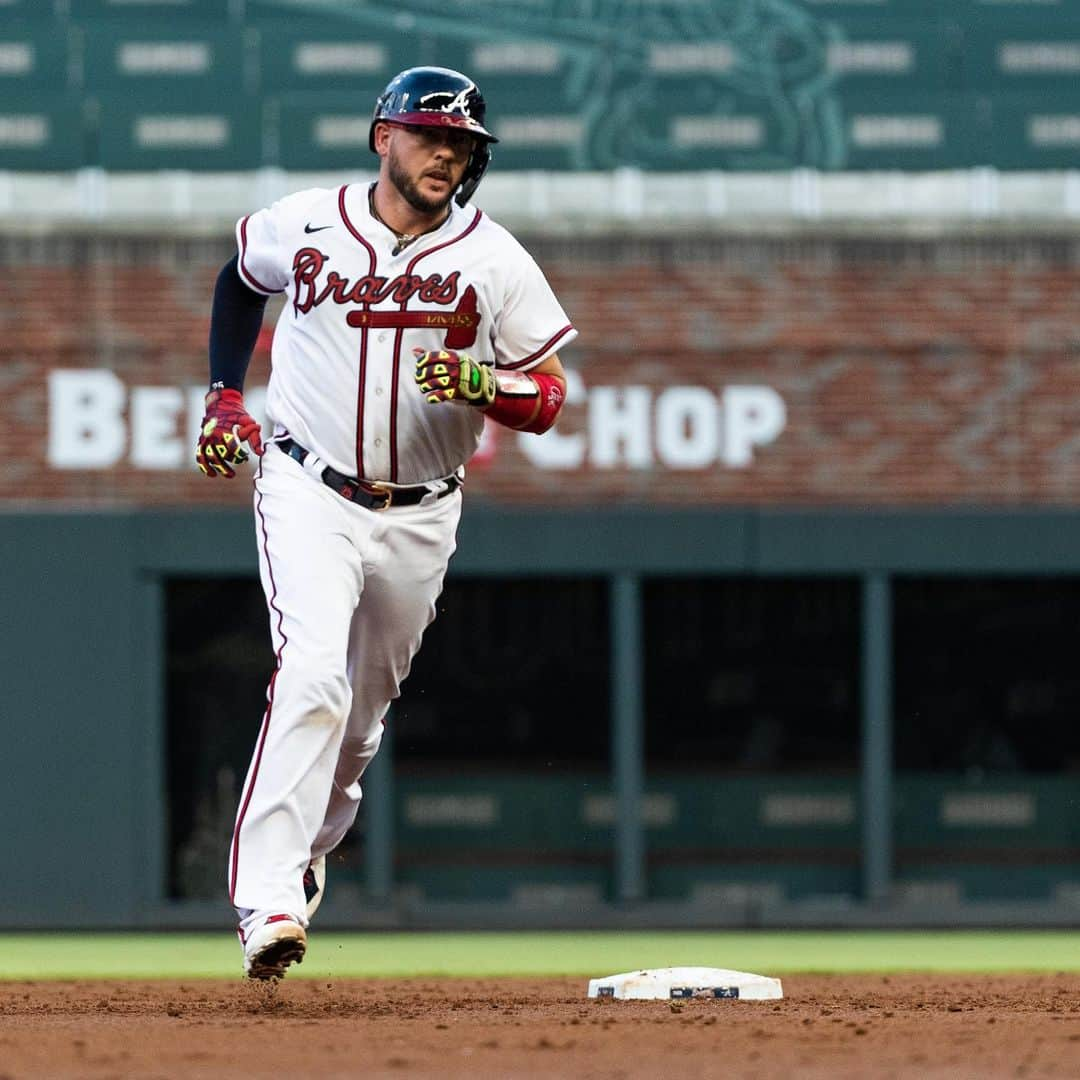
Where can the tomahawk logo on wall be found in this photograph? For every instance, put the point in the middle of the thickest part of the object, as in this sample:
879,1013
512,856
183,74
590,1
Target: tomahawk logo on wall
97,422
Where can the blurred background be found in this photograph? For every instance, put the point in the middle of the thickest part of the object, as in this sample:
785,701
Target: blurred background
781,621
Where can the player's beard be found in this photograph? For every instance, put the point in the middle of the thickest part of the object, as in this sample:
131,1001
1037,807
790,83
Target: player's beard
411,193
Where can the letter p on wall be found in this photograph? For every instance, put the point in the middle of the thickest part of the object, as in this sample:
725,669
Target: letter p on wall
753,416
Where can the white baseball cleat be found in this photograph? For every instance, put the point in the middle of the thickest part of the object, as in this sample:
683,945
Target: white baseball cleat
272,945
314,884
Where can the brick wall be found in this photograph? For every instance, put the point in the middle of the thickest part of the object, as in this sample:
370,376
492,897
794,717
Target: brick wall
906,371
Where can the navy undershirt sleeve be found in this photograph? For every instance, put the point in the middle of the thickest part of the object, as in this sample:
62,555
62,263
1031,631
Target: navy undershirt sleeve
235,321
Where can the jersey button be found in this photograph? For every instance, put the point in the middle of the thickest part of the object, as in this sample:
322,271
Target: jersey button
378,391
378,442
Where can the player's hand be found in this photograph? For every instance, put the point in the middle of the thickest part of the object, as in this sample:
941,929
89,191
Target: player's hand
226,426
444,375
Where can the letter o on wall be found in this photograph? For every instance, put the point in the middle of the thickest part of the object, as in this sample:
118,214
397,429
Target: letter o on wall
687,427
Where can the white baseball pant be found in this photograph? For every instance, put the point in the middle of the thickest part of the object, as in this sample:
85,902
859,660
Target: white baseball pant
350,592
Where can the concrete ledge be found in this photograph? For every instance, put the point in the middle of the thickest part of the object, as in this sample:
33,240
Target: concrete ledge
904,203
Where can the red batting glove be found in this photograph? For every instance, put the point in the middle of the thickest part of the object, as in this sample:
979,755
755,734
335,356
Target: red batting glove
225,427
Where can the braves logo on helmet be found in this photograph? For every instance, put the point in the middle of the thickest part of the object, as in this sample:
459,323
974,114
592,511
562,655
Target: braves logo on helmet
461,102
439,97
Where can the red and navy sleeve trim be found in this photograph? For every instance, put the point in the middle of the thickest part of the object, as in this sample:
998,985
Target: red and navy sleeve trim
544,349
245,273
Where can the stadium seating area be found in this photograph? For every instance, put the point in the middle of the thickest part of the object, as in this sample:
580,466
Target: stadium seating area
222,85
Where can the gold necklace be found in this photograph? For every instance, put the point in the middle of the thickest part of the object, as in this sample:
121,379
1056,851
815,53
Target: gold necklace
403,239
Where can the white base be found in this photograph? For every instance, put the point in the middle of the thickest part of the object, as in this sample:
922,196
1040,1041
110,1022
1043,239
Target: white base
686,982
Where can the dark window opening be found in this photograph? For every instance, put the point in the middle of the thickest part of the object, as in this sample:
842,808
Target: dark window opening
513,674
752,674
986,674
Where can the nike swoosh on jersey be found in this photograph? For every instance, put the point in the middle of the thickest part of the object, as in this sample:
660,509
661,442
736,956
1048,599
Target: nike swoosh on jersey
318,228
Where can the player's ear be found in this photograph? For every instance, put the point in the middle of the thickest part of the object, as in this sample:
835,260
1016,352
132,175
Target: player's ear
382,134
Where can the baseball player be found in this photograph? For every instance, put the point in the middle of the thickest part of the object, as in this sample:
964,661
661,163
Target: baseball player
410,318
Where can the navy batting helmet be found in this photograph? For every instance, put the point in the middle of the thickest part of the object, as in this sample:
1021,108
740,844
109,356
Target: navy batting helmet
439,97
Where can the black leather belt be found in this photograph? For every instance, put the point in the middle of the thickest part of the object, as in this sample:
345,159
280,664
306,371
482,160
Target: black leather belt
367,493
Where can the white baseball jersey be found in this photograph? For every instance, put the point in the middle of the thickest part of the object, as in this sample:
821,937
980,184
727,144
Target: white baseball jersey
342,383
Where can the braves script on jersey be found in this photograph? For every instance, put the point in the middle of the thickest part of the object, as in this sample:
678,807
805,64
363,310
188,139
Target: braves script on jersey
342,379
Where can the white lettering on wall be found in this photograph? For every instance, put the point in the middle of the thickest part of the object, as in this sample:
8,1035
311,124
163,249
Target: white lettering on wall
155,442
86,423
95,421
196,406
753,416
689,427
619,429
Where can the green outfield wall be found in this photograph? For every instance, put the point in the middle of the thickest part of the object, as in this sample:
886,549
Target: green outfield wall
611,841
572,84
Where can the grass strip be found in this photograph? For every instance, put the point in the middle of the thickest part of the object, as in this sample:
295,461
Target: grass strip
581,954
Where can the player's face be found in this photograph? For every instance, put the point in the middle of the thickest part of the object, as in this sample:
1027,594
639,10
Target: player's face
426,164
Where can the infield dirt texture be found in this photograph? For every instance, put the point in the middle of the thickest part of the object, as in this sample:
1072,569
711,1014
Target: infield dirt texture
172,1007
932,1026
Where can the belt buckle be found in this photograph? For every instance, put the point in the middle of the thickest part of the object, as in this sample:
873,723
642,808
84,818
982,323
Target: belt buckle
382,489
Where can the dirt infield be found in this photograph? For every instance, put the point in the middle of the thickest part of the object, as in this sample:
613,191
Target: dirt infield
930,1026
